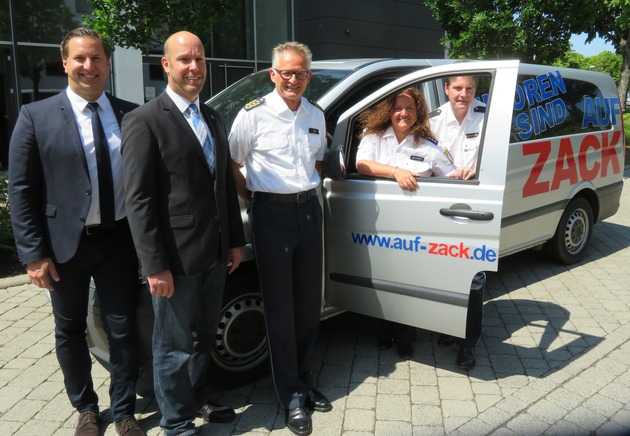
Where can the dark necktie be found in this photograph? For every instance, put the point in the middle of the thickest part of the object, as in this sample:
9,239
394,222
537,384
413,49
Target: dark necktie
104,169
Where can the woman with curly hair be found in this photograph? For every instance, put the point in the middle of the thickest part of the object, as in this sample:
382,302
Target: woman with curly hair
397,141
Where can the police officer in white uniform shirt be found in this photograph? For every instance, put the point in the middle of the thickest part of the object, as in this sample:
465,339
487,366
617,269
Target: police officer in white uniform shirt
398,143
423,157
281,140
457,124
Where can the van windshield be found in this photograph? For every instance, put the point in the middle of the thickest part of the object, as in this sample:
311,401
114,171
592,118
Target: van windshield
232,99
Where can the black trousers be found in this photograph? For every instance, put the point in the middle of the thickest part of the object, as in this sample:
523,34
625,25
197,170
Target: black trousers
109,257
288,246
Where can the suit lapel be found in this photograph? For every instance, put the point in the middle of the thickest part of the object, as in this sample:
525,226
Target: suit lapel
118,111
182,125
71,132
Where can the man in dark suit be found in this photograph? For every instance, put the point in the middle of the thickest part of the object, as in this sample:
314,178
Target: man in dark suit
185,221
68,217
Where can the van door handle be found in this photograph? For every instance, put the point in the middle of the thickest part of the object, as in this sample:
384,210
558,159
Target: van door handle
465,211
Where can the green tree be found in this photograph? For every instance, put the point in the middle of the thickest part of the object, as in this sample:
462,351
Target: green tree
609,19
144,24
532,30
606,62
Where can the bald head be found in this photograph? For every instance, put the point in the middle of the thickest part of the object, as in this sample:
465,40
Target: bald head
181,38
184,63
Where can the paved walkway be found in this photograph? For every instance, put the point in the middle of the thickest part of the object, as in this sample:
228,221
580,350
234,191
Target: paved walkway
554,359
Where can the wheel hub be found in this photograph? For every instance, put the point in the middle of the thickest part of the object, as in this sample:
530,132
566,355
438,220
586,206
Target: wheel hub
240,342
576,231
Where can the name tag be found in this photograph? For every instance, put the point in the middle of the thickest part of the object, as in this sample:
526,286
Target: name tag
472,135
416,158
313,130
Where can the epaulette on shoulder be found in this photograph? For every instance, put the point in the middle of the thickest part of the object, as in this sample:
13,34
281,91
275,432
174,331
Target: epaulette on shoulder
435,113
254,103
481,109
431,140
315,104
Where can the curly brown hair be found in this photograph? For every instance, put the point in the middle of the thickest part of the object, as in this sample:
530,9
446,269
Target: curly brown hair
378,118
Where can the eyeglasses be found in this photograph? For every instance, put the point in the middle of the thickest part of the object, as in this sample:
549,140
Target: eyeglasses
288,74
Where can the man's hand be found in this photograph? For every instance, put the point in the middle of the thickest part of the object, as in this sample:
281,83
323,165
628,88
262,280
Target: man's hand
406,179
41,272
462,173
235,255
161,284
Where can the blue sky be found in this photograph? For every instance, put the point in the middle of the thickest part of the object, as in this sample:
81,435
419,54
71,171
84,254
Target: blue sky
578,44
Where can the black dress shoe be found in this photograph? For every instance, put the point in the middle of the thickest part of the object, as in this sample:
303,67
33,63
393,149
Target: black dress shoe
215,413
466,357
318,402
298,418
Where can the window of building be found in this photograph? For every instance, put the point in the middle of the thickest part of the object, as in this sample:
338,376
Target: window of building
43,21
5,34
273,19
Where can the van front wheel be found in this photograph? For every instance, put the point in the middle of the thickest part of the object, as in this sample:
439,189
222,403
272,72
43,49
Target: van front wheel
573,233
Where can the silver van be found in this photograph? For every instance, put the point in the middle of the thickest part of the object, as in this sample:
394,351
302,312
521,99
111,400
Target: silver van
549,167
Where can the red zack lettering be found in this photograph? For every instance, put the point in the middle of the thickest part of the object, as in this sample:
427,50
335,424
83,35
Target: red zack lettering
532,185
565,165
589,141
609,153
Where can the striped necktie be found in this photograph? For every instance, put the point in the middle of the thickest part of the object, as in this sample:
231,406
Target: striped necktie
202,133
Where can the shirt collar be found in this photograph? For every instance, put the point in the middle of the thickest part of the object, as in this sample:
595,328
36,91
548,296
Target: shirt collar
181,102
79,104
278,105
389,132
450,115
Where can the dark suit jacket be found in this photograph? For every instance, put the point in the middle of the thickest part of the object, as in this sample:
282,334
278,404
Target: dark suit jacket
169,191
49,185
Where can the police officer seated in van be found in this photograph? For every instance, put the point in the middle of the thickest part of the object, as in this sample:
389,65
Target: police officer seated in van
398,144
457,124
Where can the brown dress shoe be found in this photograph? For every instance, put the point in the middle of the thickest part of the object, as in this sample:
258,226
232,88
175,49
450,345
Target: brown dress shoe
128,426
87,424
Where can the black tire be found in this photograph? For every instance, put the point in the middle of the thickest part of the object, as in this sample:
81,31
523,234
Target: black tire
569,243
240,353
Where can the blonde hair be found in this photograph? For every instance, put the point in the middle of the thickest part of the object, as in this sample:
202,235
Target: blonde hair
294,46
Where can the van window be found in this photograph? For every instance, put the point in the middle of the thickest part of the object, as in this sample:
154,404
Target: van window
461,145
549,105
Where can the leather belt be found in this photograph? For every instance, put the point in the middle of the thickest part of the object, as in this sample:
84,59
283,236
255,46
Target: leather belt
296,198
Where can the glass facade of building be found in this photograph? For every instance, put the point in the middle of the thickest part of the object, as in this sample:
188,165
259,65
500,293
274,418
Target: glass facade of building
31,68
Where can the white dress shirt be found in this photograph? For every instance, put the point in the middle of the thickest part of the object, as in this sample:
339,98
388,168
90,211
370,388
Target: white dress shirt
182,104
422,157
83,117
461,140
279,147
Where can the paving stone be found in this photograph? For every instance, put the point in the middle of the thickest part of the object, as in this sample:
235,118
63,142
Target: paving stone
422,376
393,407
425,395
364,389
612,428
483,402
565,428
428,430
602,404
451,423
392,428
426,415
361,420
38,427
585,418
486,388
393,386
257,417
454,388
459,408
527,424
10,395
326,424
361,402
